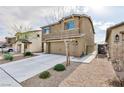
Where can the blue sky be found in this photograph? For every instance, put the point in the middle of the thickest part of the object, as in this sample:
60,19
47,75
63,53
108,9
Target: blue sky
105,18
36,17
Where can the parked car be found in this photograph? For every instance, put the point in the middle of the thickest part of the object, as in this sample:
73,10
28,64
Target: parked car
8,49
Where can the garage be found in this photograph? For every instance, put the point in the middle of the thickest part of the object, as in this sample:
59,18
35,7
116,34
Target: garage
57,47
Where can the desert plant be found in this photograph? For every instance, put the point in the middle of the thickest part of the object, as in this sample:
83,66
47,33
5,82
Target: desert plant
44,75
28,53
8,56
59,67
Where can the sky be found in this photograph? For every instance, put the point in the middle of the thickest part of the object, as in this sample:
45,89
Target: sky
34,17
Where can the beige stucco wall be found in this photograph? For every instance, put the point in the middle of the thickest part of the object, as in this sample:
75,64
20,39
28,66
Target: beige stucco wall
55,28
116,50
34,46
58,28
58,47
86,28
85,43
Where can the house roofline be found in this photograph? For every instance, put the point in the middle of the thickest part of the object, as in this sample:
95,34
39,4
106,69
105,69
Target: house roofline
28,31
110,29
67,17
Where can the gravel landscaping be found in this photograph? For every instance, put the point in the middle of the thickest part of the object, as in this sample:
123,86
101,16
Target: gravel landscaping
98,73
19,57
54,80
119,70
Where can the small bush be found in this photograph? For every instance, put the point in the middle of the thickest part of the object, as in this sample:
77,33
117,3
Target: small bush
8,56
59,67
44,75
28,54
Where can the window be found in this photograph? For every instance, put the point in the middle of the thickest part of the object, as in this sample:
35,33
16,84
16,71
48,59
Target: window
25,46
46,30
69,25
116,38
38,35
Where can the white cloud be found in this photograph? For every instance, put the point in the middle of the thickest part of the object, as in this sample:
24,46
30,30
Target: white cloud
100,27
86,9
33,16
103,25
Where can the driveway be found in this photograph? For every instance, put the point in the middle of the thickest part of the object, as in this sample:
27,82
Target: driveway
22,70
7,81
27,68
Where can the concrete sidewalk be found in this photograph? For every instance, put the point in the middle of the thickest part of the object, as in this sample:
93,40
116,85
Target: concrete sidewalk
86,59
7,81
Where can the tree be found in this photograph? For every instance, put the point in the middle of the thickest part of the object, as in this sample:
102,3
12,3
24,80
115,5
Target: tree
57,13
67,52
20,30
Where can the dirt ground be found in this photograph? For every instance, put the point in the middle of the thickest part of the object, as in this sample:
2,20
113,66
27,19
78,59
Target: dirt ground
98,73
53,81
119,69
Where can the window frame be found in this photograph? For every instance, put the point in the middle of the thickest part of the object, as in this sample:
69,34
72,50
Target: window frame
46,30
117,38
70,26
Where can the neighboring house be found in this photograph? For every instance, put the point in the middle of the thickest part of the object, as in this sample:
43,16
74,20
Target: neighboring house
28,41
76,27
2,45
115,40
10,41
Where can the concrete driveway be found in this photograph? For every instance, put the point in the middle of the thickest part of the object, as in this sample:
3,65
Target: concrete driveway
22,70
27,68
7,81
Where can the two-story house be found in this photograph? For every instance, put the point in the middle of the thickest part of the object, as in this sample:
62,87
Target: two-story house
28,41
115,40
77,27
10,41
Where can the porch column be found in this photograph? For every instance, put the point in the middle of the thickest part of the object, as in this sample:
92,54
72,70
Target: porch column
46,46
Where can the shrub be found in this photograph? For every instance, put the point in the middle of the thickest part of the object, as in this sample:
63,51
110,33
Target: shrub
8,56
59,67
28,54
44,75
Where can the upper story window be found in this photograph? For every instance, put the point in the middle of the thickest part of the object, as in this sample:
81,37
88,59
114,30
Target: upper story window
117,38
69,25
46,30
